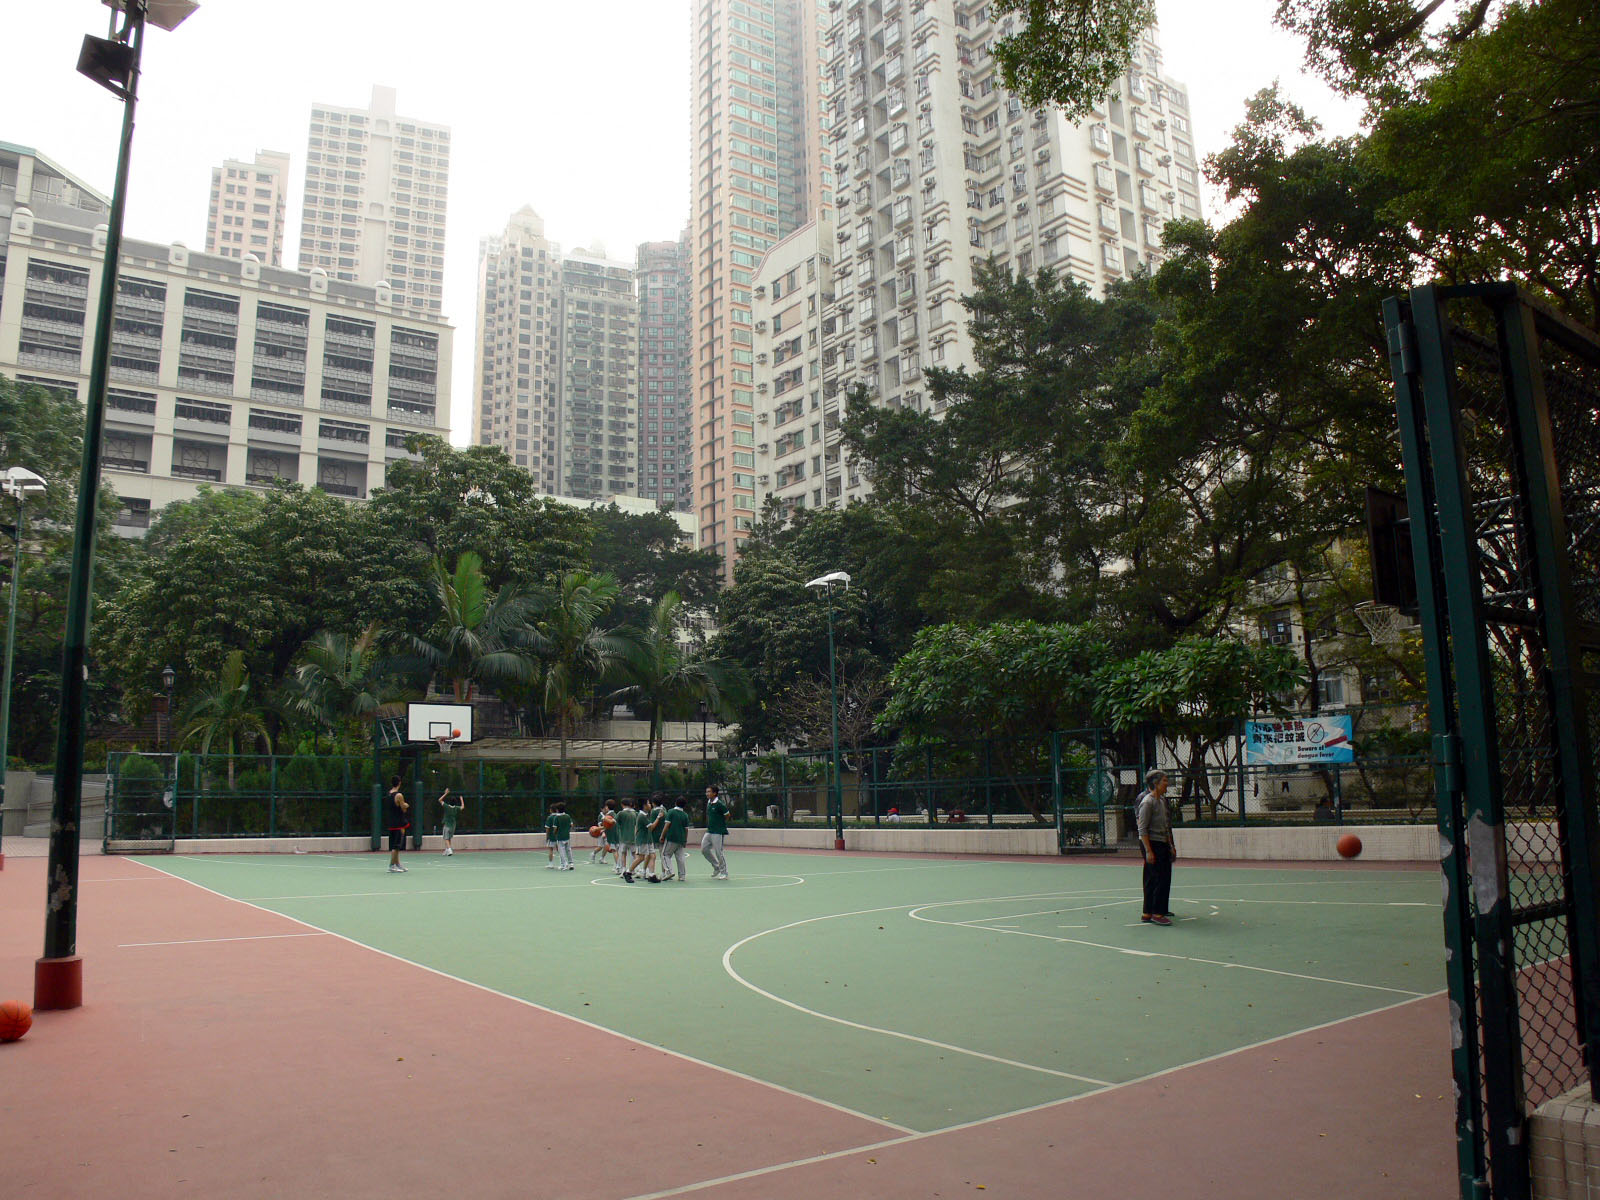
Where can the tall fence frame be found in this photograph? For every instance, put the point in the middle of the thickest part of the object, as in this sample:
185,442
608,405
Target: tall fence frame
1496,398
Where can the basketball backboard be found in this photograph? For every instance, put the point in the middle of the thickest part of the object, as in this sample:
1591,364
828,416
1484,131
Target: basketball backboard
428,722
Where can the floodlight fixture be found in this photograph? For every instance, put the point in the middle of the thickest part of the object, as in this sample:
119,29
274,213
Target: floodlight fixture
831,578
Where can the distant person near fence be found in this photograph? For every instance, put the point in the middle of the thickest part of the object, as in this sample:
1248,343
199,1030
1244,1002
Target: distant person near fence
1155,835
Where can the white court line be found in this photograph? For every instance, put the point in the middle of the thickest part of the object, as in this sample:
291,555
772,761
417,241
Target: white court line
261,937
526,1003
1311,903
978,922
727,965
533,887
1215,962
923,1136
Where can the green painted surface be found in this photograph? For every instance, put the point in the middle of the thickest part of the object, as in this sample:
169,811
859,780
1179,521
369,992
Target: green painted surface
922,993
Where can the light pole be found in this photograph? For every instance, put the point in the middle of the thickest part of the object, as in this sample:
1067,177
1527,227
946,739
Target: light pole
113,63
168,678
836,789
20,483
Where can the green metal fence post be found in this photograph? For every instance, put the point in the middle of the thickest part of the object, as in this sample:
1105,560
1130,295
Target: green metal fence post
933,809
272,795
377,786
1338,795
344,798
988,779
1056,792
1240,740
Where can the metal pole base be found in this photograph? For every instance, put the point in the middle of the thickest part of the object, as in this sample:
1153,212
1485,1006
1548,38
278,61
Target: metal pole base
838,843
2,860
58,983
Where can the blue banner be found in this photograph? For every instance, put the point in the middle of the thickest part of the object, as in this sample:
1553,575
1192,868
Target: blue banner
1295,740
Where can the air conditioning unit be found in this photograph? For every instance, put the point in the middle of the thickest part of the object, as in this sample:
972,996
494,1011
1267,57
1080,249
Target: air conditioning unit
761,326
1022,206
762,417
762,388
1043,155
761,358
1164,161
1039,114
927,143
763,480
762,448
1161,122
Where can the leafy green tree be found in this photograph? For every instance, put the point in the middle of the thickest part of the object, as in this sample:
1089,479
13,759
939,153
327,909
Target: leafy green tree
258,574
474,498
1384,45
579,653
479,636
340,681
225,711
668,679
647,555
1069,52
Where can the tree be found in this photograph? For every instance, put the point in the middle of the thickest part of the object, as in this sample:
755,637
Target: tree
668,679
479,637
1384,45
340,682
1070,52
648,556
225,710
453,500
577,651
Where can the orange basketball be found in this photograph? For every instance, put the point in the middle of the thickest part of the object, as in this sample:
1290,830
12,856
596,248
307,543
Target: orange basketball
596,832
608,821
1349,846
455,733
16,1018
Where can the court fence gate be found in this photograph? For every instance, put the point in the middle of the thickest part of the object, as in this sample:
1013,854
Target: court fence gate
1497,399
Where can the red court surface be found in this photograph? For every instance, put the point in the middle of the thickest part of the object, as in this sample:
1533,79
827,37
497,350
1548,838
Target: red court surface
277,1061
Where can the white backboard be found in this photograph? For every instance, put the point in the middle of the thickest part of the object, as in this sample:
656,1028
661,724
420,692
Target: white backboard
426,721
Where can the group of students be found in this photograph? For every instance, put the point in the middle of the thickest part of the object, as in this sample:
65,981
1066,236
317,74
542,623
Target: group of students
635,833
644,837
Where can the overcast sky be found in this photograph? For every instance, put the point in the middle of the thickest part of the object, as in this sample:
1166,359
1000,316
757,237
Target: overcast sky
579,109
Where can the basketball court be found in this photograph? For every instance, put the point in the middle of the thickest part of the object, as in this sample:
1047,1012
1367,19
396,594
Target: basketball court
819,1024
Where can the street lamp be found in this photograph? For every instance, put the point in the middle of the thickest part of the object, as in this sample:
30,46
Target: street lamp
113,63
20,483
168,678
836,799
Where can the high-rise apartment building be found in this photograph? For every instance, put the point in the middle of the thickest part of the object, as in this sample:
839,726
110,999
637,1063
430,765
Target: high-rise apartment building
597,454
939,170
666,449
756,175
223,371
247,206
556,381
516,383
377,191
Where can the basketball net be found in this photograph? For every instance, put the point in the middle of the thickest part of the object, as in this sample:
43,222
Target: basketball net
446,743
1383,623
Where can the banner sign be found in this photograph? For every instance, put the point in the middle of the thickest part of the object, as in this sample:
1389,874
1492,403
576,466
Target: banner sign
1299,740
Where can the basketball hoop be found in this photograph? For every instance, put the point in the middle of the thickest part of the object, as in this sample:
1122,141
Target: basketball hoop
446,743
1384,623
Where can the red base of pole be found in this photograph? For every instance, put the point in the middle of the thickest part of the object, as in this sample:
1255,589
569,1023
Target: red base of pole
58,983
2,861
838,843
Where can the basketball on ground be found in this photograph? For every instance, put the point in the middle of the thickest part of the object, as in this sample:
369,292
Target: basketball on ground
608,821
16,1018
596,832
1349,846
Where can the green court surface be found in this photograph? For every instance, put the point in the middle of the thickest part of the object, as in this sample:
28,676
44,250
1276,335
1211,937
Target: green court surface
922,993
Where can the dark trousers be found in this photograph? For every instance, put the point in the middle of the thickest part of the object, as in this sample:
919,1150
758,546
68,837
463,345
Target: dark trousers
1158,879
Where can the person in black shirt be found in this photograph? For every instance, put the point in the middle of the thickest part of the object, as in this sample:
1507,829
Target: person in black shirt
399,823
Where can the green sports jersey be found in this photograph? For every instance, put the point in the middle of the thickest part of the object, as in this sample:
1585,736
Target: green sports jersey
677,826
628,826
613,833
717,816
562,823
658,821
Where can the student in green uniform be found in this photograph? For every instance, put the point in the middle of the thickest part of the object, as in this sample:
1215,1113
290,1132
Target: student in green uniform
447,823
716,832
613,837
628,835
550,840
562,824
655,830
674,842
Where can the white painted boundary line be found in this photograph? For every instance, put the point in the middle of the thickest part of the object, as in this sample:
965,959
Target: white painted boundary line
758,1172
678,1054
260,937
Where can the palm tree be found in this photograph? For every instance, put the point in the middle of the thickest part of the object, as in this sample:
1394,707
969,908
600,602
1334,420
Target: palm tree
579,655
481,637
225,711
340,681
666,675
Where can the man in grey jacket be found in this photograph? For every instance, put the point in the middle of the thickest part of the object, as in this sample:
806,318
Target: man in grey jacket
1155,835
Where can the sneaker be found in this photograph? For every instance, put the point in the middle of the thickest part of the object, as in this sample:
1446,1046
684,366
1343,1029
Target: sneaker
652,879
403,870
1160,921
627,877
448,852
720,875
549,866
395,870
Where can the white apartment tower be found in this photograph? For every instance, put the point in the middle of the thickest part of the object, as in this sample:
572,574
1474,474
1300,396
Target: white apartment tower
797,435
377,190
557,375
516,384
597,453
666,450
939,169
756,175
247,207
223,371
